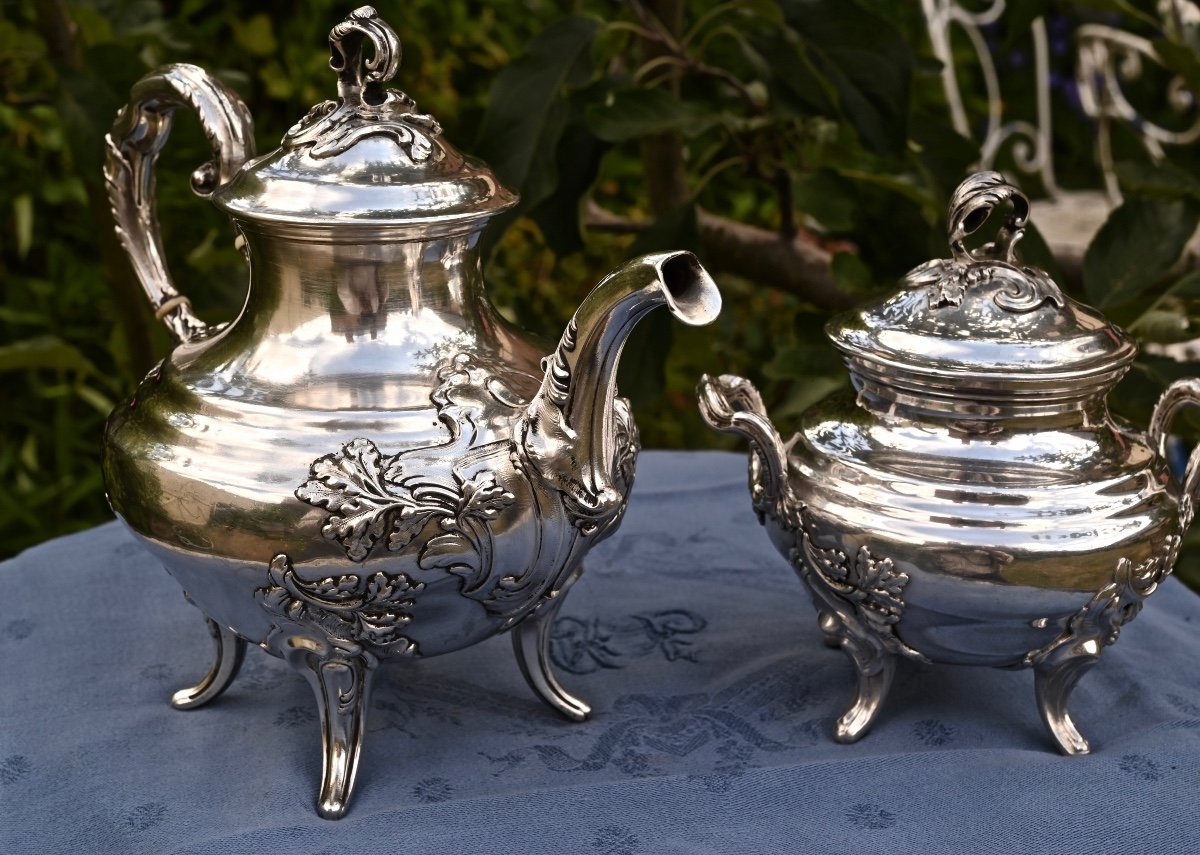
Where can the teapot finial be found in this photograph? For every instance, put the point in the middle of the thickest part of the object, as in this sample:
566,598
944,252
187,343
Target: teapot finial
365,106
346,56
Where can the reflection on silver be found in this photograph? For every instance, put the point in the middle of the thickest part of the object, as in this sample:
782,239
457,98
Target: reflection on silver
369,463
973,502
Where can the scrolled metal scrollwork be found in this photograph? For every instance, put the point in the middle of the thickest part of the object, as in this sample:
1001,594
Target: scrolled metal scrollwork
365,107
1108,59
355,614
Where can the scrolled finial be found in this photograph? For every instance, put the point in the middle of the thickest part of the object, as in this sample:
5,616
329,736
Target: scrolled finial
365,107
971,205
346,55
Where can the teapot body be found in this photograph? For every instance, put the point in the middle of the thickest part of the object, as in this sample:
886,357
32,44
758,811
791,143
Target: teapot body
242,445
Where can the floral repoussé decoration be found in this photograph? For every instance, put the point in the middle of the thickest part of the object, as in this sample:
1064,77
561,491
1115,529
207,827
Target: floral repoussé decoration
371,496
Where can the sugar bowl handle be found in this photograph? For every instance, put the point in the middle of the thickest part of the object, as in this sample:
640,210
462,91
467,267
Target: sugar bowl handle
971,206
1178,395
133,144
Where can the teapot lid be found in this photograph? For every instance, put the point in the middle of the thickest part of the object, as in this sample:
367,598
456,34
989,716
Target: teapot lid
367,158
980,325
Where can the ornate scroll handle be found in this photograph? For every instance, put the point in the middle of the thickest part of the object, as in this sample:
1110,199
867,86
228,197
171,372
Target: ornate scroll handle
731,404
346,56
1178,394
970,207
133,144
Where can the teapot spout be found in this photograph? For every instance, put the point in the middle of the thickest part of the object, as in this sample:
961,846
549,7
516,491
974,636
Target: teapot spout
576,432
732,405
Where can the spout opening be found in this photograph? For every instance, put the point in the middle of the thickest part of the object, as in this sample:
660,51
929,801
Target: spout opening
692,296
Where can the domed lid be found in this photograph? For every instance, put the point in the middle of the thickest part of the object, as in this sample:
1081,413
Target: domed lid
981,326
367,158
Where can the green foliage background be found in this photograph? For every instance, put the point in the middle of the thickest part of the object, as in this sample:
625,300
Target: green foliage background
625,126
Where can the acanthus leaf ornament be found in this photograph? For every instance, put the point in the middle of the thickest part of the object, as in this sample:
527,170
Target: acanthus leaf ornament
351,612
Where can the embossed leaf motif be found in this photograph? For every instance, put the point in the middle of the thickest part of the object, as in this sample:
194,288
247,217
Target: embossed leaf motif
371,496
877,587
484,498
344,608
349,484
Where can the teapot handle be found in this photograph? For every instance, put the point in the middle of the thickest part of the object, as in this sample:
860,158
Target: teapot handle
1176,396
133,144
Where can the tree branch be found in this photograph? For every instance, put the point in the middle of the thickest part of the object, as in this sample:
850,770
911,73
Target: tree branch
794,264
662,154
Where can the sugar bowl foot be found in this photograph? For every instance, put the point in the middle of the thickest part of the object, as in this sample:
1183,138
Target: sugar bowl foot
229,651
1053,683
874,681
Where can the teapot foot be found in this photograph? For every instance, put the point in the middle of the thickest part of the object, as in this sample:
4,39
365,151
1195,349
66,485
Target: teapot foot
874,681
230,650
342,686
1054,680
531,644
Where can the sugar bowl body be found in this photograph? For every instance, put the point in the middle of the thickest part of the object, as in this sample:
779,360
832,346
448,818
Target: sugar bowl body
972,501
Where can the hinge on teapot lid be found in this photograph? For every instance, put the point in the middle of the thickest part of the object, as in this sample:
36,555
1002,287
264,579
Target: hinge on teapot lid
970,207
365,107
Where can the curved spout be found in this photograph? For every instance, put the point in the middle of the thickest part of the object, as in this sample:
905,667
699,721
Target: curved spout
732,405
575,431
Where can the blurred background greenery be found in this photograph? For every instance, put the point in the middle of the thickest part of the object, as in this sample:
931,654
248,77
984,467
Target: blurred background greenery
803,148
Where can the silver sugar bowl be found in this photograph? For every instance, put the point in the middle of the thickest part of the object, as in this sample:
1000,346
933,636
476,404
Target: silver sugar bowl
369,462
972,501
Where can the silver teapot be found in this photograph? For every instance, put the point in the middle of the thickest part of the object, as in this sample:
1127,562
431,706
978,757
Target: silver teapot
972,501
369,463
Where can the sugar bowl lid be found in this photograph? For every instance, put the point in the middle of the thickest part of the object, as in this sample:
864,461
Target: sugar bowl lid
980,325
368,158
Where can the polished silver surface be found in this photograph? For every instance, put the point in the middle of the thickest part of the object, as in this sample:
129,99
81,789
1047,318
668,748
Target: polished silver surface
972,501
368,463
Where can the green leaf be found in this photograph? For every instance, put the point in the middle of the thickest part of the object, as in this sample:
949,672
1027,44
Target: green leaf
1136,246
794,83
528,113
559,216
525,112
1180,59
45,352
1163,179
827,198
867,60
1163,326
632,113
256,35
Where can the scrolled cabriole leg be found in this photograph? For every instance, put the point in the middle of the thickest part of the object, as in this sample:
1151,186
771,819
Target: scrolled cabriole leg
859,599
1059,665
230,650
342,685
531,644
875,675
1055,678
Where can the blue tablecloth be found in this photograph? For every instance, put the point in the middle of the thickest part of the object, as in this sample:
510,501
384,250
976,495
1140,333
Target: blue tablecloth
713,698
